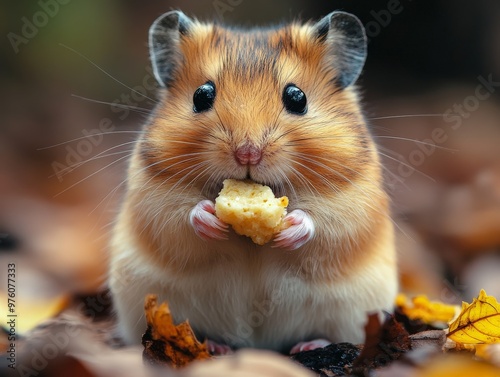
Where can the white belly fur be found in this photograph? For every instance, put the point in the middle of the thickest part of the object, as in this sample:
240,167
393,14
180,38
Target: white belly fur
266,309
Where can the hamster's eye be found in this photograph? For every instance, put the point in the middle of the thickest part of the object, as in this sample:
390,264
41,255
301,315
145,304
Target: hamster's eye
294,100
204,97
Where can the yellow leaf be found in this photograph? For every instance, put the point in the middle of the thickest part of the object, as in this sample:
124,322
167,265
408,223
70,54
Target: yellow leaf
479,322
425,310
30,312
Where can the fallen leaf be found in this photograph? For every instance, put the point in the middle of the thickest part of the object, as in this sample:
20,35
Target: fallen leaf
4,342
454,347
383,344
414,326
33,312
457,366
435,339
489,352
247,363
479,322
166,343
429,312
330,360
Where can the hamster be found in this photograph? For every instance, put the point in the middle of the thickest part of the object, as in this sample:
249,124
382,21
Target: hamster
277,106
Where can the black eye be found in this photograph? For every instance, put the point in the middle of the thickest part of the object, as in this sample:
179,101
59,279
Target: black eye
294,100
204,97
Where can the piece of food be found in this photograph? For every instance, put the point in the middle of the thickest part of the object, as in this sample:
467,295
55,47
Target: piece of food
251,209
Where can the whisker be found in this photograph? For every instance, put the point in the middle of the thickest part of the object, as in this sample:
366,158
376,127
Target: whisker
338,174
308,158
193,156
288,182
330,184
405,164
312,189
160,209
113,191
416,141
408,116
106,73
397,177
91,135
89,176
361,189
140,110
99,155
197,176
211,181
73,167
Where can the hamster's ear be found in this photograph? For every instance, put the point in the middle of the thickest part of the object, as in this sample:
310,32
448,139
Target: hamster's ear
345,35
164,44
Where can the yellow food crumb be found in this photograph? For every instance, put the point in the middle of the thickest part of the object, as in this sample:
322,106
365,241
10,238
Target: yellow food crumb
251,209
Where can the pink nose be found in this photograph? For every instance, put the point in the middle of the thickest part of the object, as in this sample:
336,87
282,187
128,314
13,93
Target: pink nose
248,154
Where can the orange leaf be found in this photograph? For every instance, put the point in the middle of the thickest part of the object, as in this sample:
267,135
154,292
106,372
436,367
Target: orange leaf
166,343
478,323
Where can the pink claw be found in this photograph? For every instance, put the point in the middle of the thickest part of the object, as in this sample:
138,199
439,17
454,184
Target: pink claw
218,349
308,346
300,231
206,225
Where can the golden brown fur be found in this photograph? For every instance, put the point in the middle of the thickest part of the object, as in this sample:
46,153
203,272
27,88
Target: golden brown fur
325,162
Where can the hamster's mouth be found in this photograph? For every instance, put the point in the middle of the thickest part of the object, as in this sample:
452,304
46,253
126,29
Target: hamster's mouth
214,188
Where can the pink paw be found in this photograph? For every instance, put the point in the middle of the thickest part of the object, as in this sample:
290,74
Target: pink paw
206,225
218,349
308,346
300,230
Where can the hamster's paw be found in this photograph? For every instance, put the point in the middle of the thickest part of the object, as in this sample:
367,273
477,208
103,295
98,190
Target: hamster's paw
204,222
299,231
308,346
218,349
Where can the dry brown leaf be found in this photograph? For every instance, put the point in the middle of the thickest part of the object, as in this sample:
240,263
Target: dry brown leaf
4,342
428,339
384,343
166,343
478,323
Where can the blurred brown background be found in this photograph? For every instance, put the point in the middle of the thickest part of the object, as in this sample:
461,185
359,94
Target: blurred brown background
424,57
